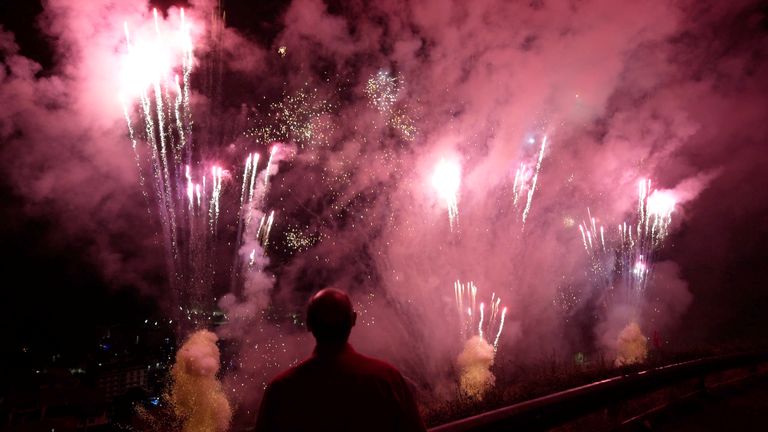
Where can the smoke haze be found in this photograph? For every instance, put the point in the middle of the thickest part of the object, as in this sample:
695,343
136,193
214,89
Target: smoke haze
623,91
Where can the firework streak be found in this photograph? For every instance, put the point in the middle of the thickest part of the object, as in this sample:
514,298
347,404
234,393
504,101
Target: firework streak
477,319
526,180
628,257
155,96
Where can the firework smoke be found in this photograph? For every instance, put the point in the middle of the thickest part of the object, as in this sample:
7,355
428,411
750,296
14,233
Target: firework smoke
261,348
479,326
631,346
196,395
474,364
622,267
632,88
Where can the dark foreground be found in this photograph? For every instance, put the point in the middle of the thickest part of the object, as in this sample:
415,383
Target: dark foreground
670,397
739,408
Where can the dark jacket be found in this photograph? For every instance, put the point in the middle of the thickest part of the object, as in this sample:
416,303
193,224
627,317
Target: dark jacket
339,391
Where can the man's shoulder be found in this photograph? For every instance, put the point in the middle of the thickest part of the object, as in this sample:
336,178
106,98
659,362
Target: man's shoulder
375,366
354,364
288,375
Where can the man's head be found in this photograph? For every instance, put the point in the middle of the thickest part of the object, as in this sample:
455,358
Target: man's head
330,316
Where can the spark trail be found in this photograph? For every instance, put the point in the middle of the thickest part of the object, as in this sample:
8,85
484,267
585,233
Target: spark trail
478,325
527,179
629,255
189,192
148,65
473,315
638,245
535,179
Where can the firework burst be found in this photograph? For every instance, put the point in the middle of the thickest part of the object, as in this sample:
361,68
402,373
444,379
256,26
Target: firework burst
382,90
446,179
303,117
600,254
639,243
155,95
628,255
479,319
527,179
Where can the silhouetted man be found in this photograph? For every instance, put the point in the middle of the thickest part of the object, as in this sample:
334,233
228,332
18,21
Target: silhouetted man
337,389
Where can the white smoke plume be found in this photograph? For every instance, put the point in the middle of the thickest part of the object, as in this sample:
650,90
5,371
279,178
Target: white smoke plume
474,363
196,395
631,346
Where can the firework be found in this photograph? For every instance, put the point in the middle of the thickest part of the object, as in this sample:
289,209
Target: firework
296,240
189,193
521,174
638,244
532,188
252,180
478,320
401,121
446,180
149,81
629,256
477,326
501,327
265,227
600,253
659,208
196,396
303,117
382,90
526,180
269,165
248,174
215,209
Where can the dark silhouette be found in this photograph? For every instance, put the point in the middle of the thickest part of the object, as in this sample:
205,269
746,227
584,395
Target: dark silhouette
337,389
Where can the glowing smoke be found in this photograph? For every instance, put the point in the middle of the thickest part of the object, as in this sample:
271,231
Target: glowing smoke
483,80
631,346
260,346
475,363
196,395
478,355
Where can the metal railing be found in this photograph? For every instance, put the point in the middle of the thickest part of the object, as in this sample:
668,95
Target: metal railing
609,403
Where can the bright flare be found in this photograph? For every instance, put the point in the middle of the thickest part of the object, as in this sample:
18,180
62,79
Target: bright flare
151,58
446,180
